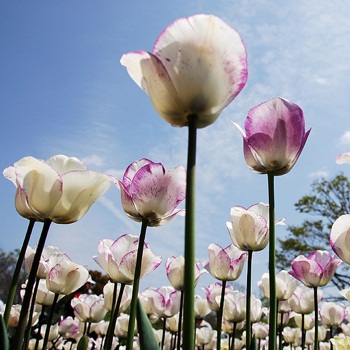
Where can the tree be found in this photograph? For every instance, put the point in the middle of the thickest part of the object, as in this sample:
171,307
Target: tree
328,200
8,262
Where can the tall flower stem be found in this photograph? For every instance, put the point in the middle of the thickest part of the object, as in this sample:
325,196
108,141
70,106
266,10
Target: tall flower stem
233,336
49,321
219,316
18,339
135,289
31,312
114,299
13,288
189,319
163,334
248,325
316,318
180,321
303,331
114,315
272,265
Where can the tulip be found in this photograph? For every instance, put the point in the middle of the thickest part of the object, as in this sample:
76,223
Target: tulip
165,301
175,269
285,284
332,314
45,255
68,327
345,293
302,300
235,306
197,67
340,237
225,264
201,308
53,331
341,343
261,330
108,290
65,276
43,295
343,158
60,189
309,321
256,309
89,308
274,136
291,335
213,295
204,335
315,270
121,328
150,193
249,228
118,258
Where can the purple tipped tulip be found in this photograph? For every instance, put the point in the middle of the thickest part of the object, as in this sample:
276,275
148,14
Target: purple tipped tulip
197,67
315,270
149,192
274,136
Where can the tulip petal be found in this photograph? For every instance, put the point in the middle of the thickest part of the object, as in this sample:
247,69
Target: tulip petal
62,164
339,239
149,73
81,190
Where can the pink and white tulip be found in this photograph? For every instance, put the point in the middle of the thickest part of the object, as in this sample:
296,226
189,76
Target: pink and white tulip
274,136
59,189
118,258
343,158
235,307
65,276
302,300
197,67
225,264
149,192
175,271
285,285
340,237
165,301
108,291
89,308
249,228
332,314
213,295
315,270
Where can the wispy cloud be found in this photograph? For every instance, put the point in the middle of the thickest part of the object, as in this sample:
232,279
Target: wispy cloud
345,138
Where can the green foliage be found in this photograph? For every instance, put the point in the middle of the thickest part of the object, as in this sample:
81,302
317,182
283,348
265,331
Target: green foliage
328,200
147,338
8,262
4,341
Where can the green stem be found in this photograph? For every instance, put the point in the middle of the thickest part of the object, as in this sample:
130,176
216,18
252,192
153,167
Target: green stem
272,265
180,321
135,289
14,282
163,334
114,316
18,339
303,331
189,317
316,318
248,325
234,335
219,316
30,317
49,321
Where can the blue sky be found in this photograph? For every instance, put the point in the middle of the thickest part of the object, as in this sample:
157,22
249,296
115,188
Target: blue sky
63,91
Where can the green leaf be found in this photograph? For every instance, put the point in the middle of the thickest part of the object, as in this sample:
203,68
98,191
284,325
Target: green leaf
147,338
83,343
4,340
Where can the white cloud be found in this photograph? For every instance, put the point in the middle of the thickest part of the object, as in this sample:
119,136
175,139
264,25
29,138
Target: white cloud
319,174
345,138
94,160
